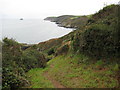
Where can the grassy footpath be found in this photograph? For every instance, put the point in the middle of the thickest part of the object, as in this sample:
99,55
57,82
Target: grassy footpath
79,71
76,72
38,80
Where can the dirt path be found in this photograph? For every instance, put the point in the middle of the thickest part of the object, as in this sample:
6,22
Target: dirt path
55,83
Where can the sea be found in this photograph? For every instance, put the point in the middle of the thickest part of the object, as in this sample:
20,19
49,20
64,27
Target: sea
31,31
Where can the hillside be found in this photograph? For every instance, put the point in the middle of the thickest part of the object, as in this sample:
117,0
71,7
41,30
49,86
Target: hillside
69,21
87,57
98,29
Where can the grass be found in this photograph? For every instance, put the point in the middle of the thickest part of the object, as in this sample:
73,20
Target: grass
72,73
37,79
74,17
75,71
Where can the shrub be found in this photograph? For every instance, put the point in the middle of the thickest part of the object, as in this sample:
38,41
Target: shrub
62,50
76,42
97,41
91,21
116,68
16,62
11,64
51,51
33,59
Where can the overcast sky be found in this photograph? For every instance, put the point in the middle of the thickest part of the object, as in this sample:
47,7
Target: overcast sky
44,8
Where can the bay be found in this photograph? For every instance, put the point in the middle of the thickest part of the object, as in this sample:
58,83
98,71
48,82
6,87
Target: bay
31,31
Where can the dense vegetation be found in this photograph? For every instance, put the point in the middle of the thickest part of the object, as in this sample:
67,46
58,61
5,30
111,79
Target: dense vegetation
16,62
86,57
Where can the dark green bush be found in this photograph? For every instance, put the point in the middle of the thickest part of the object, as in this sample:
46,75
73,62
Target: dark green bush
11,64
98,40
76,42
62,50
16,62
51,51
91,21
33,59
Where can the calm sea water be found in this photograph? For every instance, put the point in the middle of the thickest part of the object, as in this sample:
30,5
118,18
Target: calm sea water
31,31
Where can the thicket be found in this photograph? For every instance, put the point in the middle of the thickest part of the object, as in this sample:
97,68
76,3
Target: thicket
51,51
16,62
100,38
62,50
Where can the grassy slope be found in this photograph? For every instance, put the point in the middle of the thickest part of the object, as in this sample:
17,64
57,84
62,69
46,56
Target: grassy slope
76,71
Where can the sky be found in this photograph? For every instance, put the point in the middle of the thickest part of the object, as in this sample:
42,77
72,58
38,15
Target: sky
45,8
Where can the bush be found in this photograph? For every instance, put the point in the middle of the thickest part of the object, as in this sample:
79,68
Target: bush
33,59
99,40
62,50
76,42
91,21
116,68
11,64
16,62
51,51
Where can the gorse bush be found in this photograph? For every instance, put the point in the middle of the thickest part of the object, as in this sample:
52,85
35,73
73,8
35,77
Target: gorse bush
101,38
16,62
51,51
62,50
76,42
11,56
97,41
33,59
116,68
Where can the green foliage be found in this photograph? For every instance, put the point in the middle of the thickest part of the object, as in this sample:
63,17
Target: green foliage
33,59
62,50
91,21
11,56
116,68
76,41
99,63
0,47
109,7
98,40
51,51
9,42
16,62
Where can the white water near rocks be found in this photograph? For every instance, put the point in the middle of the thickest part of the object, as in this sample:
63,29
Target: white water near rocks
31,31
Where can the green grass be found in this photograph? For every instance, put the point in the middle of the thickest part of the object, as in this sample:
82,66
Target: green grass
37,79
74,17
75,73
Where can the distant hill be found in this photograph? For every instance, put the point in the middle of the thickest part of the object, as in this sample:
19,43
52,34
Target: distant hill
69,21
